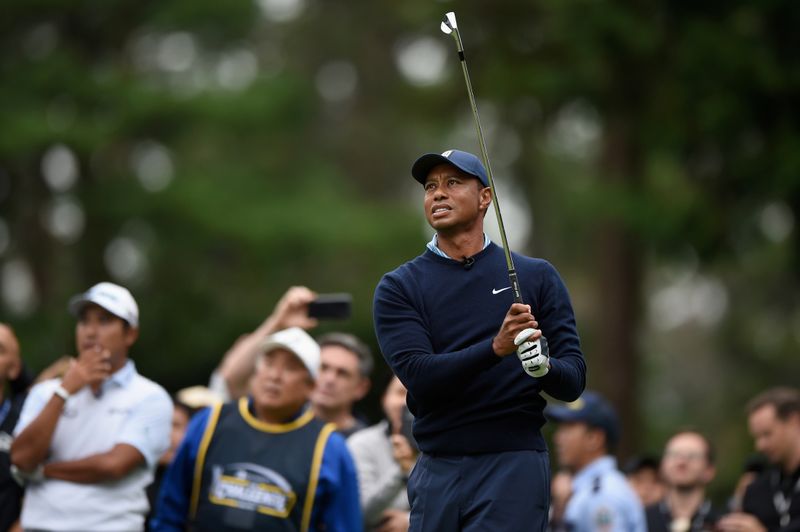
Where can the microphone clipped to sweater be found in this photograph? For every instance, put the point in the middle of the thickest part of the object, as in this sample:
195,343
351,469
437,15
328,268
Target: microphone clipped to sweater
468,262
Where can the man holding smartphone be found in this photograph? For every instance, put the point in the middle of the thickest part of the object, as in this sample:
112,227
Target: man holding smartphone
87,444
347,362
230,380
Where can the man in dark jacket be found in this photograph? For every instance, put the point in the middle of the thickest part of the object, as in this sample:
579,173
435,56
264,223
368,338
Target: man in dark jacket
446,323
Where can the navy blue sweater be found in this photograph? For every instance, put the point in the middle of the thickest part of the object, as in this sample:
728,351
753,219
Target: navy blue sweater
435,321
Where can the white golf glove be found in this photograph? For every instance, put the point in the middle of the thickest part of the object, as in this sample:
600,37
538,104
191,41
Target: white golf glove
535,356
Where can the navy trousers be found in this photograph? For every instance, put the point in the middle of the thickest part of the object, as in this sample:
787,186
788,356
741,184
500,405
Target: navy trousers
496,492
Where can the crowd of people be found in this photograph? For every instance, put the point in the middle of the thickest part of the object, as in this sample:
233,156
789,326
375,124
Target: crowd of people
273,442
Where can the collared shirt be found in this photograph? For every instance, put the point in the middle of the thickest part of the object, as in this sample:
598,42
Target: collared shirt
129,409
603,500
433,245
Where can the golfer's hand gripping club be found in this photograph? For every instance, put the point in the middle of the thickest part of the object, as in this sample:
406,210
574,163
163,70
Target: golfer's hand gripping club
534,356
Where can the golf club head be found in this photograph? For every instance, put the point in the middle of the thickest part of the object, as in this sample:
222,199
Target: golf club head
449,23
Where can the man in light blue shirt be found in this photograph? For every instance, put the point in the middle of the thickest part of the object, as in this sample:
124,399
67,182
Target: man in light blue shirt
87,444
601,497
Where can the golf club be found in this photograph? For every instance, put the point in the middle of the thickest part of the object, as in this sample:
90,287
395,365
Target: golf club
449,26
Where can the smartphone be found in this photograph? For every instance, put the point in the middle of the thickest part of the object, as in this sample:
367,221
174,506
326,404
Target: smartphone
331,307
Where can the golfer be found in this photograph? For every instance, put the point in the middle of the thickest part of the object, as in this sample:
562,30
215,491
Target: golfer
446,324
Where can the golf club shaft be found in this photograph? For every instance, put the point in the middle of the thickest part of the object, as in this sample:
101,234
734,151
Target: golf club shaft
512,273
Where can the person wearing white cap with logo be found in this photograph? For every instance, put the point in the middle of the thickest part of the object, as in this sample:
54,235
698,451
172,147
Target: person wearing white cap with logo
264,462
87,444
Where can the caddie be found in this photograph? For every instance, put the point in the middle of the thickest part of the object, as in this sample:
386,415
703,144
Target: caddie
264,462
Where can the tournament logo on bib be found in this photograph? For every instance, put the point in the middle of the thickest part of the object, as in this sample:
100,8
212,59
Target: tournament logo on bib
251,487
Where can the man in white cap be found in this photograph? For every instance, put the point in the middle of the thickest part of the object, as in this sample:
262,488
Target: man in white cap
87,444
264,462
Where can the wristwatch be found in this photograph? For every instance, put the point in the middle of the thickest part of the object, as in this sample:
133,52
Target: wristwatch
62,393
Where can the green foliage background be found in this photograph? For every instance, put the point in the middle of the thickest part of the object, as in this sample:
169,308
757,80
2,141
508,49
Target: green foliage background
684,114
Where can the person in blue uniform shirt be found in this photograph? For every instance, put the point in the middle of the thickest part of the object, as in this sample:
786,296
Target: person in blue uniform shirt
264,462
446,323
601,499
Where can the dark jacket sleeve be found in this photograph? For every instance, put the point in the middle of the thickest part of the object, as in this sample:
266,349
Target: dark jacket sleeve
406,345
567,376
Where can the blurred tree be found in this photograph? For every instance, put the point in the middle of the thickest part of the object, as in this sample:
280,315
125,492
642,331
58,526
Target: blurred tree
176,148
209,155
686,111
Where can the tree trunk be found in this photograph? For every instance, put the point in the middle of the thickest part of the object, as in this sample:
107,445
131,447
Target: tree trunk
614,369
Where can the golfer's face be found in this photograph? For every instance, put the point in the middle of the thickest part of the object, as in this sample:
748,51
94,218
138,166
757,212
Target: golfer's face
454,200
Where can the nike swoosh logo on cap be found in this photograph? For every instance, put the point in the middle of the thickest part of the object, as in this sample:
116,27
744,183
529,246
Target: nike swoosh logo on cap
496,291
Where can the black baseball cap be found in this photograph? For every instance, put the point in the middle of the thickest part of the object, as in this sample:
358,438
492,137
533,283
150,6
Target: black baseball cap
641,462
590,408
464,161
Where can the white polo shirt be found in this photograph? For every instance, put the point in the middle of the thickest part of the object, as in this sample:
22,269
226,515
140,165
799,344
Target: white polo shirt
130,409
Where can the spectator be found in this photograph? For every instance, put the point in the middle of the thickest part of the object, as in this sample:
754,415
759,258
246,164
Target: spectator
382,475
230,380
263,462
87,444
687,468
601,498
753,466
448,325
772,501
644,476
181,413
187,402
560,492
10,405
344,379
